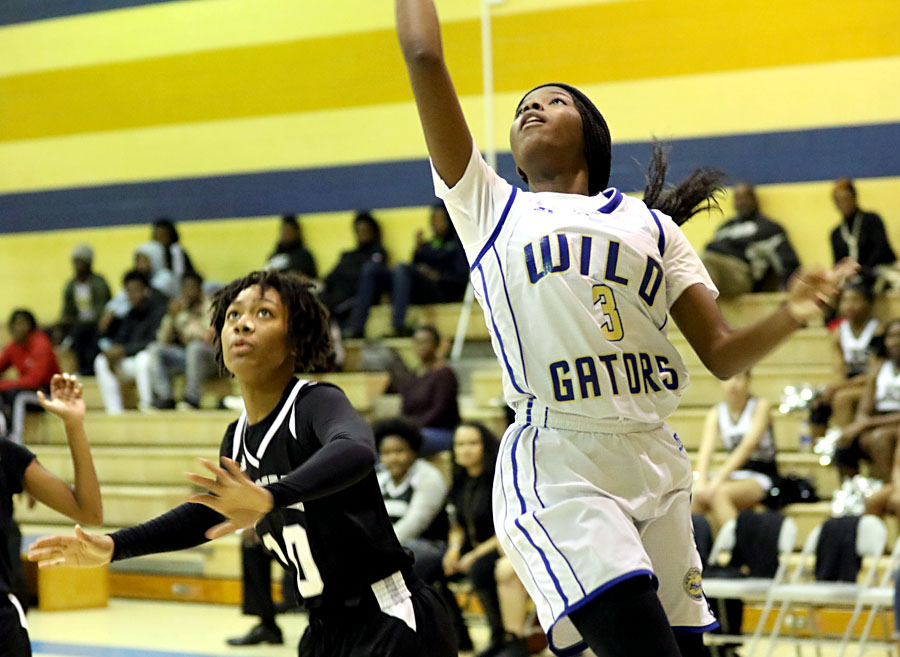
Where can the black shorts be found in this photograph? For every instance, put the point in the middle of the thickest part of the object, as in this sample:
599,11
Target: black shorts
13,636
369,632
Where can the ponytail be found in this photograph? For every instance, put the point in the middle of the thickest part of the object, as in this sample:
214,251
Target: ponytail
697,193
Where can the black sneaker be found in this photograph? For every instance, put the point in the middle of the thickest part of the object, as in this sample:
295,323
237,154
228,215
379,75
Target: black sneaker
517,647
259,634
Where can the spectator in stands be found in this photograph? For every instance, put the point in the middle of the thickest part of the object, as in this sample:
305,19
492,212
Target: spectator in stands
415,495
873,434
184,344
429,394
473,548
750,252
290,254
743,425
176,258
438,273
860,235
149,260
31,353
84,297
125,354
853,344
341,284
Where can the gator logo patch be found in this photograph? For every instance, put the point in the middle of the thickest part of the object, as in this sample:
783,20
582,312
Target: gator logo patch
692,584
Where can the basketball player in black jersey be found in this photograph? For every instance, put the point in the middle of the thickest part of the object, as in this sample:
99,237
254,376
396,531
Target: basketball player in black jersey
299,466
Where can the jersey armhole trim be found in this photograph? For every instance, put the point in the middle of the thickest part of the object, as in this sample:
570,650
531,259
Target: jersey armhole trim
497,229
614,201
662,235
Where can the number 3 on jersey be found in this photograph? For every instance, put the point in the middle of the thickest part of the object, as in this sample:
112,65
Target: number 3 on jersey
309,581
612,325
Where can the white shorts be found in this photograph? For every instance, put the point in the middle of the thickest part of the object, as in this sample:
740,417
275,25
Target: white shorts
579,510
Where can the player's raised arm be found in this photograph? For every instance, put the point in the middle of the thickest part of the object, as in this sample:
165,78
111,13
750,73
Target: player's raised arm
446,133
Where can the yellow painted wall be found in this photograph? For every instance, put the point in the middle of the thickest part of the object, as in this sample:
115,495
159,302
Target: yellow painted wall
208,87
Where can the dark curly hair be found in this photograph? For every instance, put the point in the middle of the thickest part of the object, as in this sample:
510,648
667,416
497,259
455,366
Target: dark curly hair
401,428
307,318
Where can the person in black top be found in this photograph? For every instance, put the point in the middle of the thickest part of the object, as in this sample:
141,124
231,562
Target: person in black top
21,472
299,466
860,235
290,254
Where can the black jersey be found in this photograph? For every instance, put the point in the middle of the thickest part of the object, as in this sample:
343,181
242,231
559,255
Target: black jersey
338,543
14,460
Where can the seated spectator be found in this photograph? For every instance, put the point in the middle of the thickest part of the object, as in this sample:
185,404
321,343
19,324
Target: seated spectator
428,395
860,235
749,253
149,260
853,343
177,260
125,355
473,548
873,434
415,496
438,273
31,353
290,254
84,297
743,424
339,294
184,344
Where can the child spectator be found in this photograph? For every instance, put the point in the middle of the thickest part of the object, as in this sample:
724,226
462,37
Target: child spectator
473,548
31,353
429,394
184,344
860,234
750,252
873,435
149,260
125,354
853,343
743,423
84,297
290,254
438,273
342,282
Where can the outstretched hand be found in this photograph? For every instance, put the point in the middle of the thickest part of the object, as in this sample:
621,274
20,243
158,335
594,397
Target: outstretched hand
82,550
233,494
810,293
66,398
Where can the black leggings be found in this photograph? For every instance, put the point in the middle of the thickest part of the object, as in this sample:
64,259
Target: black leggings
628,621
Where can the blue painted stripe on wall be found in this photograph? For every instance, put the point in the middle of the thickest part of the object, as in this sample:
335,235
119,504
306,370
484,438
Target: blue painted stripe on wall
26,11
85,650
762,158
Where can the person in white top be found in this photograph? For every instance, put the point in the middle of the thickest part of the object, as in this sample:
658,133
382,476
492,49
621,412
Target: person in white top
852,346
592,491
743,423
874,432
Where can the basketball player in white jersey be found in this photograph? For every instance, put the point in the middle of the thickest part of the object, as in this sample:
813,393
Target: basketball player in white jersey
743,425
592,491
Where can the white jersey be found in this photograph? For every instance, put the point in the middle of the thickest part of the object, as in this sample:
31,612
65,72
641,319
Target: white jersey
733,432
576,292
855,348
887,389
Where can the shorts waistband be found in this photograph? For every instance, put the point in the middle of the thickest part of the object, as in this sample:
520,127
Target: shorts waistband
534,413
383,594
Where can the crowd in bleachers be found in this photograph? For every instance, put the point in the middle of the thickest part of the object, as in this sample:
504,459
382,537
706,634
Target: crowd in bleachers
156,327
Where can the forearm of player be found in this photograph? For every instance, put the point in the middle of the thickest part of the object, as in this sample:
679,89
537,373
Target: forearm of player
87,486
183,527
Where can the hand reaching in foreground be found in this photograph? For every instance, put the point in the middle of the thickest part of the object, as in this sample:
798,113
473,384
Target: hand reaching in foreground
809,293
82,550
66,398
232,494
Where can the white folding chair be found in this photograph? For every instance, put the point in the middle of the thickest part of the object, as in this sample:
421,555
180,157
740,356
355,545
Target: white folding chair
879,599
871,536
748,589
